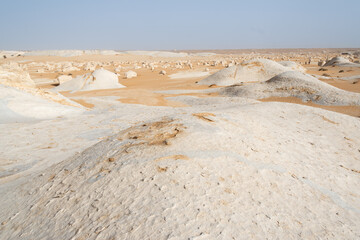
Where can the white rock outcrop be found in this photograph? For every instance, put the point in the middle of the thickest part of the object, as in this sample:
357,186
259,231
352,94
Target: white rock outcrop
294,84
12,75
339,61
255,70
99,79
63,78
130,74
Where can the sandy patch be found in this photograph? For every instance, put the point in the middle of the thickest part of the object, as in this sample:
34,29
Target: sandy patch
205,116
348,110
180,75
336,73
83,103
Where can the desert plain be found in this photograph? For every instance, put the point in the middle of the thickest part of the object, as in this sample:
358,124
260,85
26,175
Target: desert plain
217,144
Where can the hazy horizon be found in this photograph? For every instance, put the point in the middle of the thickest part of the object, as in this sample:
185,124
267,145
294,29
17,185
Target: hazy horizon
185,25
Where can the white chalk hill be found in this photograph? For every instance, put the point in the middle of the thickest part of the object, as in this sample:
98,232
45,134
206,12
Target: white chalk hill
340,61
97,80
294,84
255,70
268,173
21,106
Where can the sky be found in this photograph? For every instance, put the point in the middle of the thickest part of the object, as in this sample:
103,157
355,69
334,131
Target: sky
180,24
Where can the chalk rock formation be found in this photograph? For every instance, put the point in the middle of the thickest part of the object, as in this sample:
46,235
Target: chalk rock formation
130,74
255,70
99,79
12,75
294,84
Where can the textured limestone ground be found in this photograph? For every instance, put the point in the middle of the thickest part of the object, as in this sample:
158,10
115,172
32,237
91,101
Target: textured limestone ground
248,171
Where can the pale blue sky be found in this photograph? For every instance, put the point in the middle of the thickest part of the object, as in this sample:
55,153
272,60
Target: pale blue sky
180,24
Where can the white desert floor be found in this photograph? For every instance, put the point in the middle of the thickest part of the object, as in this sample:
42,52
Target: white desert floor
167,158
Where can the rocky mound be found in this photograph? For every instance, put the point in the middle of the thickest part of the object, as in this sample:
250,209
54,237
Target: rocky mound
99,79
130,74
255,70
172,179
294,84
14,76
19,90
293,65
21,106
339,61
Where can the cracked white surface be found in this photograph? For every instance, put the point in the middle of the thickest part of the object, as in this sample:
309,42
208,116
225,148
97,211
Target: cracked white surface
244,170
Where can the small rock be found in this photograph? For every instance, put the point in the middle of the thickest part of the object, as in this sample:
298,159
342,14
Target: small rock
130,74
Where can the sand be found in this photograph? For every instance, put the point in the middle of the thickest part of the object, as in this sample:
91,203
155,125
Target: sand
336,77
349,110
149,82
